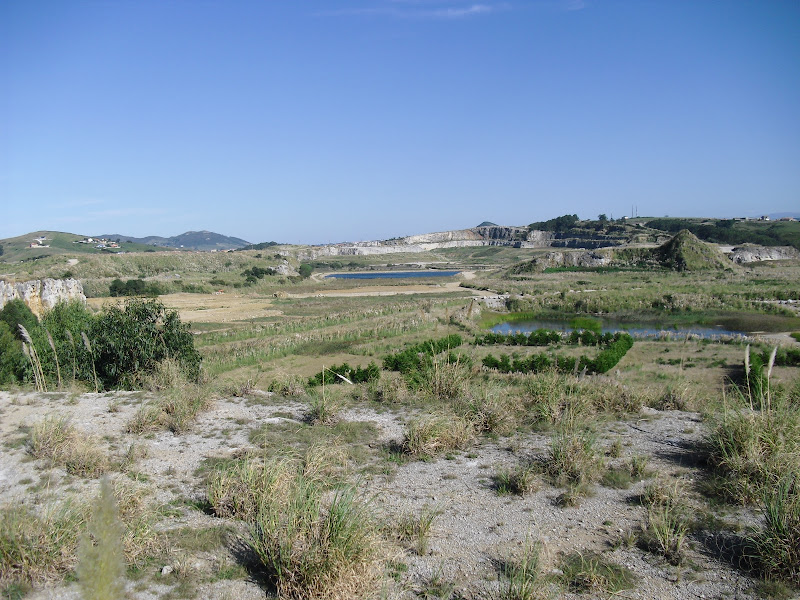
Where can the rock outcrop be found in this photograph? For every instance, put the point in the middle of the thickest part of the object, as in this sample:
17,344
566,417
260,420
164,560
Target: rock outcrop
41,294
752,253
550,260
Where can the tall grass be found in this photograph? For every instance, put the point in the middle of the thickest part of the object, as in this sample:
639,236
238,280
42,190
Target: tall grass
523,577
39,546
312,545
29,348
776,548
101,567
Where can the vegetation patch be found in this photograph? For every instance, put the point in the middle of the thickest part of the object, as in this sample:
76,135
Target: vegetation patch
593,573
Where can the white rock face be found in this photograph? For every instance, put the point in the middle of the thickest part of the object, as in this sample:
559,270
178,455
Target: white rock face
749,253
41,294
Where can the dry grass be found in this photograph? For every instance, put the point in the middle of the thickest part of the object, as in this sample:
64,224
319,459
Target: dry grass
41,545
56,440
312,545
238,489
175,409
429,435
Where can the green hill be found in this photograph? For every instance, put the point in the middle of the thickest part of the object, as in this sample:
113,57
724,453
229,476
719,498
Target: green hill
685,252
52,243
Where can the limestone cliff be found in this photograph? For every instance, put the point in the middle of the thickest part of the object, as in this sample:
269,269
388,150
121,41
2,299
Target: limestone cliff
752,253
41,294
486,235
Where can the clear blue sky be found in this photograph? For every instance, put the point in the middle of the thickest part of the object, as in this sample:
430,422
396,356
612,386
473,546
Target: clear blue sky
332,120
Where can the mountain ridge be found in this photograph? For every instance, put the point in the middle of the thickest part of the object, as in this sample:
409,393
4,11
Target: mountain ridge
192,240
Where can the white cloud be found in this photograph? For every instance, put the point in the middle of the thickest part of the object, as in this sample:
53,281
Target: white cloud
419,9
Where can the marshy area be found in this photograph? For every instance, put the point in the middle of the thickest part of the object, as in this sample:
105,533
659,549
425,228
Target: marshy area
334,442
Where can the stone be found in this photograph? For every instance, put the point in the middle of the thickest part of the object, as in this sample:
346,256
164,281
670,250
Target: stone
41,294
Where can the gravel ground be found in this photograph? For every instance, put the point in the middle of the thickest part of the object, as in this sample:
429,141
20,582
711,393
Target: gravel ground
477,527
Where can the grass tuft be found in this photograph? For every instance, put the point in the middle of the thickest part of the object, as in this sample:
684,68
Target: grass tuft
55,439
430,435
592,573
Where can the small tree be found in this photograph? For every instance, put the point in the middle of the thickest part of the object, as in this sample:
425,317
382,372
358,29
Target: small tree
131,340
305,270
602,217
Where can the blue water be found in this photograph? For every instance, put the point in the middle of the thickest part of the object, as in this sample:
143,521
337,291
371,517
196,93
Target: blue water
393,274
636,330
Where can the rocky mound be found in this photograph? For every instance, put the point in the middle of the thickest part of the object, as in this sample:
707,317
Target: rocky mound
686,252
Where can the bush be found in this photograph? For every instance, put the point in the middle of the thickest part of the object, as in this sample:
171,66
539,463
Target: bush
14,366
608,358
411,358
334,374
16,313
130,340
134,287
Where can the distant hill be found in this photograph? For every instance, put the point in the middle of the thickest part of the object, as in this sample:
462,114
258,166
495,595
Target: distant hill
488,224
41,244
191,240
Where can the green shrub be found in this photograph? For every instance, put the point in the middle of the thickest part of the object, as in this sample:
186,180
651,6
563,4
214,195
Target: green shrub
16,313
335,373
134,287
610,356
133,339
14,367
411,358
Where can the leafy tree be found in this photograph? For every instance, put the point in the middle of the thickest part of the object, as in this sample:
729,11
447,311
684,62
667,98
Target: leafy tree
1,249
65,322
130,340
559,224
602,217
305,270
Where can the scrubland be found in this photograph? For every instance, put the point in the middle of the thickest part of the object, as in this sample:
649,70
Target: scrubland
435,473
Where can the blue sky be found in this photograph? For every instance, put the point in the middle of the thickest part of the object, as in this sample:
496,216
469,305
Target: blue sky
322,121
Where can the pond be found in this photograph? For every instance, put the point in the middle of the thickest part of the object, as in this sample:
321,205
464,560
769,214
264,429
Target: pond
392,274
637,330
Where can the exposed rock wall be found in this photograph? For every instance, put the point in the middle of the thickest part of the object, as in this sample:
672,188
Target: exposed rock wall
751,253
41,294
572,259
488,235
